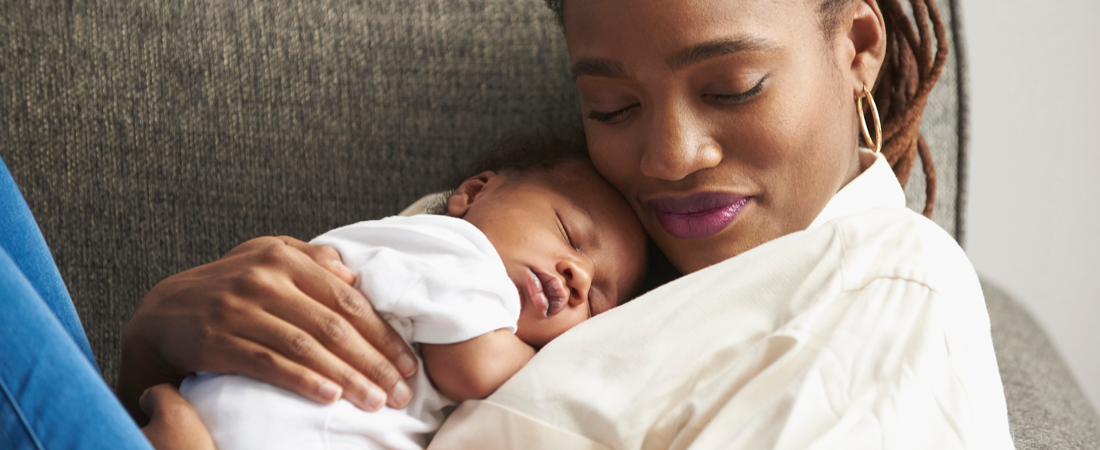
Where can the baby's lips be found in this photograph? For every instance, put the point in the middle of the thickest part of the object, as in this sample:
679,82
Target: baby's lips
556,293
536,294
556,305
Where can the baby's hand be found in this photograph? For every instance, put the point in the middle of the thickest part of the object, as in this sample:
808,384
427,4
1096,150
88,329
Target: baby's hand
475,368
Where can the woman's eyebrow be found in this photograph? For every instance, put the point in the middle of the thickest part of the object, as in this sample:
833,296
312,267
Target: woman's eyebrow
598,67
713,49
608,68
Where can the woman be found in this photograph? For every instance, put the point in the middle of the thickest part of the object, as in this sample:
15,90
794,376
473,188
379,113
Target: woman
816,311
729,124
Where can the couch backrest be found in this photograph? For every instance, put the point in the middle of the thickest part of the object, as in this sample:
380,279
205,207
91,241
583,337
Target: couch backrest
150,137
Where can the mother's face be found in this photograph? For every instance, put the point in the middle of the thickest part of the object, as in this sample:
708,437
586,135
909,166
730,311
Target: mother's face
725,123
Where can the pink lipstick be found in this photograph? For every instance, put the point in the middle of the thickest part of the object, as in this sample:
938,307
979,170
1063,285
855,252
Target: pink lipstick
697,216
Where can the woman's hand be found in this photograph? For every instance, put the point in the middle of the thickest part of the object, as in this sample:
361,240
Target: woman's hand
173,422
275,309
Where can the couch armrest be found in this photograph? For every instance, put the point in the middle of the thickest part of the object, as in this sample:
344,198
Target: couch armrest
1046,407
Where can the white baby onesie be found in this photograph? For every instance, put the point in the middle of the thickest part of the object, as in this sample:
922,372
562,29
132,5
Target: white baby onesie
435,279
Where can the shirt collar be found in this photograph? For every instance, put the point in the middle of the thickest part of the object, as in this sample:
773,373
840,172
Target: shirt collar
877,186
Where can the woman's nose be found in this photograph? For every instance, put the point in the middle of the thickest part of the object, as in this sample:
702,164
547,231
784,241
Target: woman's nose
578,278
677,145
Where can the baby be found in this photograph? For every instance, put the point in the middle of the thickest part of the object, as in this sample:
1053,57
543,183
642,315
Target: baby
527,250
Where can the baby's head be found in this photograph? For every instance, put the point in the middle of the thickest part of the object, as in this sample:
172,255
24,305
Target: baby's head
569,241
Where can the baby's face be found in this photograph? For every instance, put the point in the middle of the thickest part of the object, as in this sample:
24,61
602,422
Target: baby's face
569,241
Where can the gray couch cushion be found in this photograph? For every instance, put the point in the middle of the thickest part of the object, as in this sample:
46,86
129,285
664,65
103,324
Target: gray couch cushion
149,137
1045,406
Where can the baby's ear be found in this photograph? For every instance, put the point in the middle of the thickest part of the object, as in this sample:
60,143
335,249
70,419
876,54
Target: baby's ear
467,193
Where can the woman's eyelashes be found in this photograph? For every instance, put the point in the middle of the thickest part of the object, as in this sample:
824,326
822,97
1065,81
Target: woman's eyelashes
739,99
609,116
723,99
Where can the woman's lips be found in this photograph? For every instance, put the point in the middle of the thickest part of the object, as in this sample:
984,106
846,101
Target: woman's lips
546,292
697,216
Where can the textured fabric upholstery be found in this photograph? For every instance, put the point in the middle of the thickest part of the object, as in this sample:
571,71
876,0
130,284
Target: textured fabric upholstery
150,137
1045,406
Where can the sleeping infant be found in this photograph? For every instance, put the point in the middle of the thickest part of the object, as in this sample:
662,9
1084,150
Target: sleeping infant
523,252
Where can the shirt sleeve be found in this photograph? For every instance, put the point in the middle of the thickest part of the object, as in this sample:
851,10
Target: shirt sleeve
439,273
890,370
881,367
878,338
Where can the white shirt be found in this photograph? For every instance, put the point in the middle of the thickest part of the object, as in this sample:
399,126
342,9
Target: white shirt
867,330
435,279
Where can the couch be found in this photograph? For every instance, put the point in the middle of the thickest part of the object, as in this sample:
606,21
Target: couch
149,137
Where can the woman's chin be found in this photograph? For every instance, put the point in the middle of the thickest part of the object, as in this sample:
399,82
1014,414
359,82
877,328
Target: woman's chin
694,253
690,255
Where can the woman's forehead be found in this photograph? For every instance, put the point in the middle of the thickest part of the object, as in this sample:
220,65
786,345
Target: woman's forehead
594,28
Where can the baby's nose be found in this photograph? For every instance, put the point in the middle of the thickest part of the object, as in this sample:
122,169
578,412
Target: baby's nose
578,278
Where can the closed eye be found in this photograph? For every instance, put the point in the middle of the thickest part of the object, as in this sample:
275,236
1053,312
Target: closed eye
565,233
609,116
742,98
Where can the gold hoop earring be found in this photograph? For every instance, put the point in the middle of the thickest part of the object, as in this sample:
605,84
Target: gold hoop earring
876,145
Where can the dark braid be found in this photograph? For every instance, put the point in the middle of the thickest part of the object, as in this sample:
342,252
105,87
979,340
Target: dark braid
555,6
911,69
909,72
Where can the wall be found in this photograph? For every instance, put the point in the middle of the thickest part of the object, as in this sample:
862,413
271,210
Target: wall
1034,209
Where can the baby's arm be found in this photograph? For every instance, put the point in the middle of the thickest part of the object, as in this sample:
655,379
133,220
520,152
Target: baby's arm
477,367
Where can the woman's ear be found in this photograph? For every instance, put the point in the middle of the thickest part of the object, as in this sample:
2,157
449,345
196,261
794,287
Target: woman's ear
866,33
468,192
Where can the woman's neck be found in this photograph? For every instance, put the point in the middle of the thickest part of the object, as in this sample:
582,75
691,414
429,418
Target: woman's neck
862,160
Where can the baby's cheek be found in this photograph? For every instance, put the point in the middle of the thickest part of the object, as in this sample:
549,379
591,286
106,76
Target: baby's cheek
539,333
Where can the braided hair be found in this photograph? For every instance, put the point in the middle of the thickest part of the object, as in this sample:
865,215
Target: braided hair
916,51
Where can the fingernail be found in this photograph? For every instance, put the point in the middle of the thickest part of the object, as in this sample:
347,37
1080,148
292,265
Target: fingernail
141,399
406,364
330,391
341,268
401,394
375,398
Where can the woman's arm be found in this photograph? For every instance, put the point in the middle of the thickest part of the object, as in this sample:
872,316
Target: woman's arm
276,309
477,367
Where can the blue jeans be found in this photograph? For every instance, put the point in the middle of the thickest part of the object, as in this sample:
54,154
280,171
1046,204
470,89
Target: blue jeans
51,393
